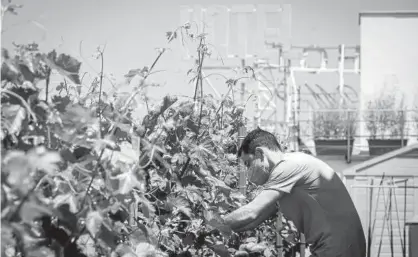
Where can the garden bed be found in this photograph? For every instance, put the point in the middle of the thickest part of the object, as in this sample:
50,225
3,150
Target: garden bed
92,173
338,147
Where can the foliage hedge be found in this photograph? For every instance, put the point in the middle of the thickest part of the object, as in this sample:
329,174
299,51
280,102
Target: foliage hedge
75,166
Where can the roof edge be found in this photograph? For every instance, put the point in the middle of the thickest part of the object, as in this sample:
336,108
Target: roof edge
397,14
378,159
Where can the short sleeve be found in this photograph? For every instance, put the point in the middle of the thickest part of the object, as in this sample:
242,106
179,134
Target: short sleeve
284,177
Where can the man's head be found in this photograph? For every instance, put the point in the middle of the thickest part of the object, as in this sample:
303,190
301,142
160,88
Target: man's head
259,151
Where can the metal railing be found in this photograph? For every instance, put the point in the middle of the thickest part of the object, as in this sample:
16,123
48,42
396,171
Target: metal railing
348,124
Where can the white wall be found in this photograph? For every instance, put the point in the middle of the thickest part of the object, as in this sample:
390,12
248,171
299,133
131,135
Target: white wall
389,55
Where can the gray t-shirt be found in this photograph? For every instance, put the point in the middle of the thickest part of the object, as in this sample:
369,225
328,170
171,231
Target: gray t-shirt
320,206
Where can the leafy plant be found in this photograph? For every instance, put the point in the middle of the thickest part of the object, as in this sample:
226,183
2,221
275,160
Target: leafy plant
415,118
335,120
385,118
332,124
82,177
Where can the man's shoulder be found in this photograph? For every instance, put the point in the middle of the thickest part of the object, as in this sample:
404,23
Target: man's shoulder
306,160
303,166
301,156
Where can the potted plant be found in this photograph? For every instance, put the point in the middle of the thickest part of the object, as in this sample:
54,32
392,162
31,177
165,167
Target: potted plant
385,121
415,120
334,132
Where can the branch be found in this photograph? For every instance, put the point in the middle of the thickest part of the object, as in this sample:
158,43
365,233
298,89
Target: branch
24,103
100,93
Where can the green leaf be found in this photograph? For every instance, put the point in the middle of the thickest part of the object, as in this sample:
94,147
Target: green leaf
221,250
107,142
181,204
69,199
255,248
94,221
237,195
179,158
215,221
124,251
220,185
251,240
108,236
143,234
65,65
127,153
193,194
32,210
171,35
189,239
41,251
130,255
146,206
127,181
3,198
268,253
241,254
78,116
144,250
136,72
18,168
60,102
45,160
13,116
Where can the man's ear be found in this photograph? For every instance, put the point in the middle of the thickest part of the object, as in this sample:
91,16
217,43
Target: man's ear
259,152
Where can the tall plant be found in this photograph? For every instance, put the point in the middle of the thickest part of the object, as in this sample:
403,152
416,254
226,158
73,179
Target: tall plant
176,167
385,118
335,123
415,120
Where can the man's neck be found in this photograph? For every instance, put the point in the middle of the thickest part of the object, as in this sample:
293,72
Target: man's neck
274,159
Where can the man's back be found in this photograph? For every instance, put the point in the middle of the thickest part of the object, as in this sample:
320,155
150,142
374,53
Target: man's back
318,203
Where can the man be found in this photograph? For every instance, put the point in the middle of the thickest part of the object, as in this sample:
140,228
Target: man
308,192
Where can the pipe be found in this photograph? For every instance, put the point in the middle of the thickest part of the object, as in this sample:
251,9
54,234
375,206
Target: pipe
390,227
377,201
361,186
397,217
383,226
369,230
404,219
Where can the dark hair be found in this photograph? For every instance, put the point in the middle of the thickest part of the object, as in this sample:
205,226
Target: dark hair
258,138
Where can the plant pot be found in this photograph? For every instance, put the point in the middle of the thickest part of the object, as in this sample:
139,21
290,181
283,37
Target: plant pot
303,147
333,146
382,146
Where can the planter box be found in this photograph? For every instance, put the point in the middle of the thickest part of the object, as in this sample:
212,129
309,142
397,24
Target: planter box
333,146
382,146
303,147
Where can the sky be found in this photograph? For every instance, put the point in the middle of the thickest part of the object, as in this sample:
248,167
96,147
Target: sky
133,29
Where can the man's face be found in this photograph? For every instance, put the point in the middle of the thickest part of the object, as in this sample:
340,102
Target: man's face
258,167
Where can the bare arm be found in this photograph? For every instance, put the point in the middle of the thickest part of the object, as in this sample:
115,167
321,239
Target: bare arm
281,181
253,214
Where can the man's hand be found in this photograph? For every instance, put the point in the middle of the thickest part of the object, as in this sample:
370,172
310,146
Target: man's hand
254,213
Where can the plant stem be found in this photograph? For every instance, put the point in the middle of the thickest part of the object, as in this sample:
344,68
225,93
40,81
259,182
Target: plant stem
199,67
96,168
145,77
24,103
48,130
47,81
15,214
100,94
199,81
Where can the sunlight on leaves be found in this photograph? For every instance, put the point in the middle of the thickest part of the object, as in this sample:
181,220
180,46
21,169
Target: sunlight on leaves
69,199
94,222
214,220
32,210
221,250
127,181
65,65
